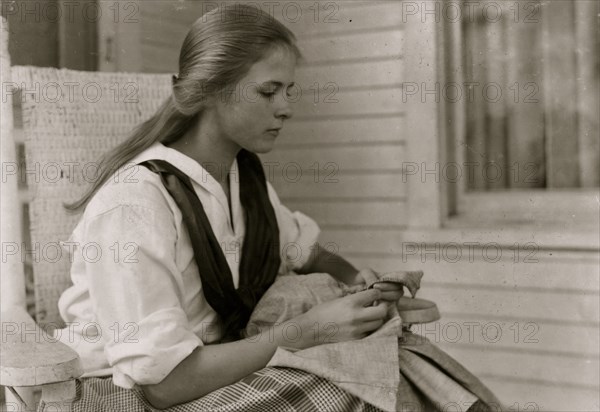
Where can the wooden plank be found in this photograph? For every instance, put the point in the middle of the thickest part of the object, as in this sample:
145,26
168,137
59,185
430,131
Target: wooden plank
300,17
128,37
514,334
342,131
177,13
333,18
474,73
588,90
167,22
520,394
555,306
423,123
580,373
119,42
446,138
30,357
387,44
33,36
157,59
560,210
383,243
303,18
365,240
107,40
368,213
451,147
331,102
535,277
325,163
347,187
495,106
12,281
525,105
78,36
543,274
362,74
560,94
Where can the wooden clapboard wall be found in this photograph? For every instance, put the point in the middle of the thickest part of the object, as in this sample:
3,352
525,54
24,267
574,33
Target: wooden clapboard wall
524,320
346,136
163,27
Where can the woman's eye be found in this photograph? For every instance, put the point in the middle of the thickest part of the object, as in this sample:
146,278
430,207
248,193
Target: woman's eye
267,93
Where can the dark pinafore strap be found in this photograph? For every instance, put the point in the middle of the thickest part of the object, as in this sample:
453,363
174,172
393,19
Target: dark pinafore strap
260,258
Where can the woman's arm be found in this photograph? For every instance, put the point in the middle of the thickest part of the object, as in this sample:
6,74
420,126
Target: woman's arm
328,262
212,367
324,261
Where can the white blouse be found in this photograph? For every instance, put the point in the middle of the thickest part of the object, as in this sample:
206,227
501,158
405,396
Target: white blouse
136,307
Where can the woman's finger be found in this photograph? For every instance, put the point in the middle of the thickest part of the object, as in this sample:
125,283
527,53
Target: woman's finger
374,312
365,298
392,296
370,326
387,286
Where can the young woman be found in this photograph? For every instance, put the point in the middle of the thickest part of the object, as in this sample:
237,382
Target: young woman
207,232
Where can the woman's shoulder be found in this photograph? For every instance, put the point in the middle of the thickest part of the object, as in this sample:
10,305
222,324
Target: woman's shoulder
132,185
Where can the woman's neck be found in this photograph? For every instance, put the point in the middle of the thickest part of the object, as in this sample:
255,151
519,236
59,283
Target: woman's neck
204,144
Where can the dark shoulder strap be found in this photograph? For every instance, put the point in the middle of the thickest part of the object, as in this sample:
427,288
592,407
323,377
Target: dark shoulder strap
260,253
261,249
214,270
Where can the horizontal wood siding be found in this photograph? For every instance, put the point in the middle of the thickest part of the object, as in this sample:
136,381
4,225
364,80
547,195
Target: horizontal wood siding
526,324
339,159
164,25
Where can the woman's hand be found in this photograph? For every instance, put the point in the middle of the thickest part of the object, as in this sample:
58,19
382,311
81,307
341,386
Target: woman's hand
348,318
391,291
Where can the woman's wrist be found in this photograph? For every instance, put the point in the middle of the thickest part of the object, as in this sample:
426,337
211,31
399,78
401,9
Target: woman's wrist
293,333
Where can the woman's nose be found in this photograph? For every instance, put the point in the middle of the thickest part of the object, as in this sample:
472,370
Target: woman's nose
284,109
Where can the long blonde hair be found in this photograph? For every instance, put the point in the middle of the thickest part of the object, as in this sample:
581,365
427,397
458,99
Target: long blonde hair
216,54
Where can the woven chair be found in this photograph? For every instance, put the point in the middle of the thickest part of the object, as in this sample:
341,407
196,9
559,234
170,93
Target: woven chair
69,119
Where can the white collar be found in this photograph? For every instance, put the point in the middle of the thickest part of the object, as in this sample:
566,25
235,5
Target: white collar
197,173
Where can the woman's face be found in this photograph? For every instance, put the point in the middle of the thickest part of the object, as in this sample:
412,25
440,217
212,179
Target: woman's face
252,116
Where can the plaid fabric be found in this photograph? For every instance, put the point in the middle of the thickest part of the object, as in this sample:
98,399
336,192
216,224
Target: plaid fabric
270,389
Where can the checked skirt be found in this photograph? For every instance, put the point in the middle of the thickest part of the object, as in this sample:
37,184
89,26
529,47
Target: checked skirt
269,389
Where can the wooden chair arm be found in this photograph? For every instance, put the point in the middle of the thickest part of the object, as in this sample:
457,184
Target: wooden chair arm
29,356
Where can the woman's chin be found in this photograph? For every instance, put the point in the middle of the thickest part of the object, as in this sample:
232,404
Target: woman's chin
264,147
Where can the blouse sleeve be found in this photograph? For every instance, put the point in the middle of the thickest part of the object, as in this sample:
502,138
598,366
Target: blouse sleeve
134,292
298,234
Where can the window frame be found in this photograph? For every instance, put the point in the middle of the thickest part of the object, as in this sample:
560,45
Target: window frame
550,210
